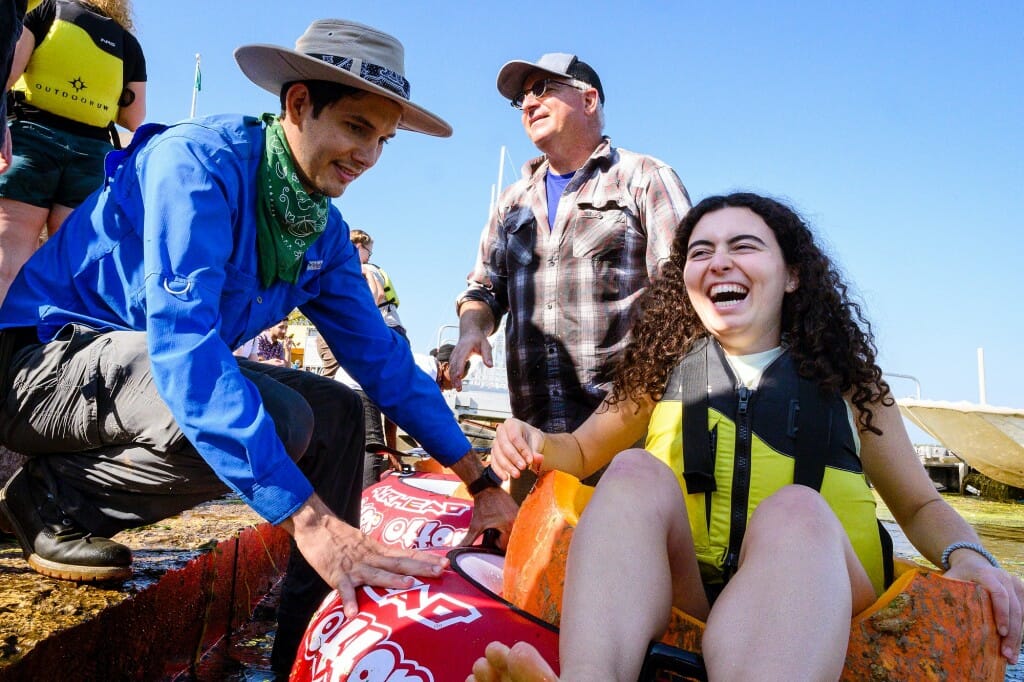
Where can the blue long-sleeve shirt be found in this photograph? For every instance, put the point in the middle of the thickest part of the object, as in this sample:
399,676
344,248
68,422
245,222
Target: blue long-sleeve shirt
168,246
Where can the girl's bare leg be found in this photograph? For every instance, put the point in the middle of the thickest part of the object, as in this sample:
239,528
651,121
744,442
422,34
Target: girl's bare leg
630,560
786,613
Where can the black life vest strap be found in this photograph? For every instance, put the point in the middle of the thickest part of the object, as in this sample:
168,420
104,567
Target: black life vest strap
812,424
888,563
698,462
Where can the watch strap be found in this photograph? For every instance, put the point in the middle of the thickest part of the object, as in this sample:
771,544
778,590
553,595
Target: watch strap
488,479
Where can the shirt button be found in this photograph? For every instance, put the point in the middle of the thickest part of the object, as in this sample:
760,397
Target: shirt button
259,299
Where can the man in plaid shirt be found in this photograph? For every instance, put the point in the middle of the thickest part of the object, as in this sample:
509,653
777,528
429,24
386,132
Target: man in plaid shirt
568,251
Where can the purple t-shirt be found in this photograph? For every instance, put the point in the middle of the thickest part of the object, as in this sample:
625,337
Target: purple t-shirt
555,185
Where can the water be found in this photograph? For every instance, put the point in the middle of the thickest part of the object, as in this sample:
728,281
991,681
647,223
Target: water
1001,528
244,656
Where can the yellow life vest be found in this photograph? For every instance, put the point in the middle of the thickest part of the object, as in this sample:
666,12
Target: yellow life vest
390,295
75,74
754,443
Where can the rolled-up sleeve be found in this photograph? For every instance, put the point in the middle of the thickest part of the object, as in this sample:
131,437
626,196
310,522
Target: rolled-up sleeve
488,281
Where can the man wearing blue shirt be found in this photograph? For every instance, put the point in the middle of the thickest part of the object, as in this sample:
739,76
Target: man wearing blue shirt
116,373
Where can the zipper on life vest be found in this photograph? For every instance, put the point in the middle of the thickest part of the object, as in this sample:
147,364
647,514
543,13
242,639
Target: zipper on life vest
740,483
713,449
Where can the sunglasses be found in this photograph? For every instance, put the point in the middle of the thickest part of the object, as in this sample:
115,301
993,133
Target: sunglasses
540,88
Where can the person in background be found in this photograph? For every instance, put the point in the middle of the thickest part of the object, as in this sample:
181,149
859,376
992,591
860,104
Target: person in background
377,459
117,378
570,248
437,364
384,294
274,346
379,282
247,350
12,17
77,71
754,376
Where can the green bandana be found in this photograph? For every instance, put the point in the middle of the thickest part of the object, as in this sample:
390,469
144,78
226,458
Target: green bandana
288,218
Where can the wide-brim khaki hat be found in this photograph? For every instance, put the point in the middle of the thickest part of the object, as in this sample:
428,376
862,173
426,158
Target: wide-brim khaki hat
343,52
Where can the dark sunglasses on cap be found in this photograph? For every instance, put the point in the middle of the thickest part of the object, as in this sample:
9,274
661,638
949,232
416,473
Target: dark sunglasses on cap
540,88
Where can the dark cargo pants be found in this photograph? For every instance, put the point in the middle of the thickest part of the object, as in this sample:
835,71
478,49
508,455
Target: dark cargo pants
85,411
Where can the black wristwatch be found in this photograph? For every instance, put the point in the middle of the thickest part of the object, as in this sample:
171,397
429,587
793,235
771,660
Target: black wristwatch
488,479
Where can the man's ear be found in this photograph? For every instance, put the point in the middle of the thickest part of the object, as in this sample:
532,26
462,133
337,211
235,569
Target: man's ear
297,102
591,100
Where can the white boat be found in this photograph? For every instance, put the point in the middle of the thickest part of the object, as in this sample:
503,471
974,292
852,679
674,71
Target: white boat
990,439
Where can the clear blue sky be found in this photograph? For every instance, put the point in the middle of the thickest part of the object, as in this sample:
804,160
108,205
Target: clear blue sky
896,128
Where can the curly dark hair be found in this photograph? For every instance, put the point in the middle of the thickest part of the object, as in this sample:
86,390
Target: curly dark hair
825,331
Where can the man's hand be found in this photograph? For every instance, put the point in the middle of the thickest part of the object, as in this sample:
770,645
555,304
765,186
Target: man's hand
475,323
346,559
492,508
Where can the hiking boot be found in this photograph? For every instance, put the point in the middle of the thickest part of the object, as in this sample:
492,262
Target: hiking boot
52,542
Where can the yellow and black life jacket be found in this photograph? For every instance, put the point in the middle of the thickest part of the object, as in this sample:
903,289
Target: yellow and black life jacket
77,71
390,295
743,445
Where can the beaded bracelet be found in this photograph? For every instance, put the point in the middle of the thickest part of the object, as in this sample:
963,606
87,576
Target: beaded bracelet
974,547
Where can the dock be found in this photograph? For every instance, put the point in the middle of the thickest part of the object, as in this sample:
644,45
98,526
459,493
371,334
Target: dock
947,471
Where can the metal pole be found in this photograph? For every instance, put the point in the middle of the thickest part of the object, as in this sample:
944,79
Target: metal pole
917,384
496,189
501,167
981,377
195,89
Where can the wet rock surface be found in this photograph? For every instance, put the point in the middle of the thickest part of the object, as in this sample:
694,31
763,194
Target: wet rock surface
34,607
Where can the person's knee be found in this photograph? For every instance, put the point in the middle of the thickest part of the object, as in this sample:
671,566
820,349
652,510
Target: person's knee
296,429
640,470
795,510
638,464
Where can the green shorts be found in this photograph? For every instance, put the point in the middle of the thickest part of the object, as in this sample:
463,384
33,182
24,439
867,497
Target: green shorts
50,166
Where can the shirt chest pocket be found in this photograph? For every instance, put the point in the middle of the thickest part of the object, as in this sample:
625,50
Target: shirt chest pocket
600,235
521,235
601,246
